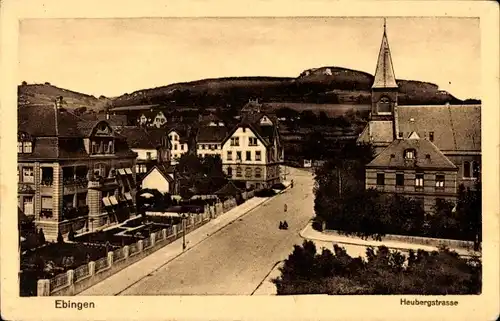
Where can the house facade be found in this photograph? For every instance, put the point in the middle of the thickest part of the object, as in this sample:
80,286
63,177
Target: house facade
72,173
161,177
446,142
152,119
209,140
151,145
179,144
252,151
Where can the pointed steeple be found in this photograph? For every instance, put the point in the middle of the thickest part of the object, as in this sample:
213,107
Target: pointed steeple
384,74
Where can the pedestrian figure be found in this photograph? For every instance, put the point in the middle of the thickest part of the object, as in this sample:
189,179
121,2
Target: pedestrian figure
285,208
291,184
285,225
281,225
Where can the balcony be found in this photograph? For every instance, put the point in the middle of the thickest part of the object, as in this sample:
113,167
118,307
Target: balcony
73,185
46,213
70,212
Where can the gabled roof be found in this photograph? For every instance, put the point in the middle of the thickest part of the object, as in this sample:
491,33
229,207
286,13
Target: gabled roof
211,134
427,156
384,73
264,133
164,170
229,190
139,137
42,121
181,131
455,127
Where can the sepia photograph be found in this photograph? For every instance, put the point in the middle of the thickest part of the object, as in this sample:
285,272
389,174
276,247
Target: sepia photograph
268,156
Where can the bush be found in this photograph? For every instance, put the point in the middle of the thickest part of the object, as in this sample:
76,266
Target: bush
278,186
382,272
266,192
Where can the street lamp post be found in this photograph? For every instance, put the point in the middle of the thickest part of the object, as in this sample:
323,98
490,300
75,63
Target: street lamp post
183,216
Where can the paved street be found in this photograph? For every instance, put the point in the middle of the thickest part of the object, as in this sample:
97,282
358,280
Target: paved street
239,257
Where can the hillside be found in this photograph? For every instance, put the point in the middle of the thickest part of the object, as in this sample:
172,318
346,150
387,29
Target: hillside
35,94
325,85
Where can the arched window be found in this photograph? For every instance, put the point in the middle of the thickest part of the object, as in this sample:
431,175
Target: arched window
24,143
384,105
466,169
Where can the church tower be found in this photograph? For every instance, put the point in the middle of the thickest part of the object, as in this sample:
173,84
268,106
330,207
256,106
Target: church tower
384,88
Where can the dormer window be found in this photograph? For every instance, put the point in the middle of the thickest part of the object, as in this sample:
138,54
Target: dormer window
24,144
410,154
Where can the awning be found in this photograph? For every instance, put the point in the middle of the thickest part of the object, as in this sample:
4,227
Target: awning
113,200
121,171
128,196
106,201
128,171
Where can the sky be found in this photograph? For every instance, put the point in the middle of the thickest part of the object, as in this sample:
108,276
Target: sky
115,56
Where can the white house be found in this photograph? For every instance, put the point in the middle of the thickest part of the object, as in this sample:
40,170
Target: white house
162,178
252,151
179,144
209,140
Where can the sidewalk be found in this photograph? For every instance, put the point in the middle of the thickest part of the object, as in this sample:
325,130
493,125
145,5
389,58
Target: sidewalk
137,271
309,233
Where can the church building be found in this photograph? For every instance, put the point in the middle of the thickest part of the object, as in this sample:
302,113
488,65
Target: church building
424,152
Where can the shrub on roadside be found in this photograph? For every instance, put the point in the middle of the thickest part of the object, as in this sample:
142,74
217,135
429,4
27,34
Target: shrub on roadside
266,192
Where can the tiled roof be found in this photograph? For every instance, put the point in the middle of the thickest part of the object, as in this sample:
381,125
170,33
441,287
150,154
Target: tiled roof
428,156
377,132
209,134
139,137
455,127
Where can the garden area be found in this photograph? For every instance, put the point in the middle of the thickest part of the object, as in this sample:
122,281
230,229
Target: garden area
51,259
383,271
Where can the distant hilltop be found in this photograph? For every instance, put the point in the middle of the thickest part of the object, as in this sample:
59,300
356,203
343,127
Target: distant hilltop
324,85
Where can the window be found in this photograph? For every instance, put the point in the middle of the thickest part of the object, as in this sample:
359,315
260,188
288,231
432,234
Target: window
182,147
252,141
400,179
27,147
46,202
199,146
95,148
239,171
229,172
235,141
202,146
439,181
380,179
475,169
466,169
175,146
28,205
249,156
384,105
28,176
431,136
410,154
110,147
400,134
419,180
248,172
229,155
148,155
238,156
258,155
258,172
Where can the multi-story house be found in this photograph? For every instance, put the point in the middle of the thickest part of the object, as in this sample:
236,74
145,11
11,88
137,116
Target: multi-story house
209,140
72,173
151,145
252,151
179,143
454,131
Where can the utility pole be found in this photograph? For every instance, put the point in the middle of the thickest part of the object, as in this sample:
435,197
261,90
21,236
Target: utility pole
340,181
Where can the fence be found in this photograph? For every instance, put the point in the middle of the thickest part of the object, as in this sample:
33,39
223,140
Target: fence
101,264
58,281
82,272
85,276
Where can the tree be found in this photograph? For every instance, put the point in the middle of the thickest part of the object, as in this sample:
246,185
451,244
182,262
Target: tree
71,234
41,238
60,239
24,83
